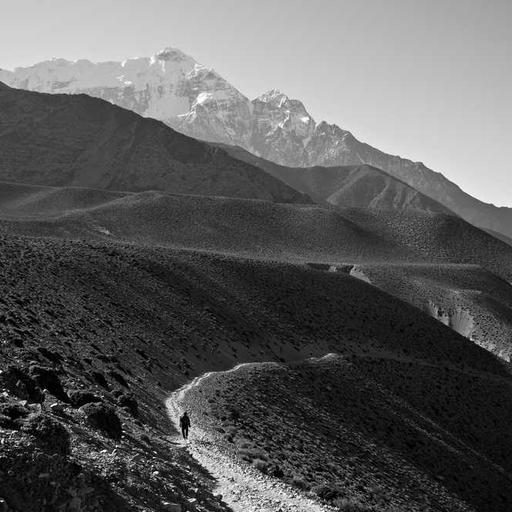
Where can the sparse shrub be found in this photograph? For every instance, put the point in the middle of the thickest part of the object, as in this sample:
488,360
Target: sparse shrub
104,418
127,400
251,454
11,413
299,482
233,414
6,422
49,433
261,465
20,384
325,492
99,378
119,378
54,357
276,471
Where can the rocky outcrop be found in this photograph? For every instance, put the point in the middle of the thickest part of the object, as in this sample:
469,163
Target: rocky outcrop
458,319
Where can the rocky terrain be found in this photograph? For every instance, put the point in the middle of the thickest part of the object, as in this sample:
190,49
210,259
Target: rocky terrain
469,299
135,261
173,87
261,229
94,331
433,261
366,431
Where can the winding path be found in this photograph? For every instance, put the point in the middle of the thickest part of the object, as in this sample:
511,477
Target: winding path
242,487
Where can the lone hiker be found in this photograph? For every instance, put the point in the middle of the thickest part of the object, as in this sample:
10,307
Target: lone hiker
184,424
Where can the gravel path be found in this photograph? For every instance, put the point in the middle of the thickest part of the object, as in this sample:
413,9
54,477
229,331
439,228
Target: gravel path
242,487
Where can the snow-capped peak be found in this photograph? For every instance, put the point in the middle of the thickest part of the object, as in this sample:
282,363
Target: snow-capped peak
173,87
274,96
171,53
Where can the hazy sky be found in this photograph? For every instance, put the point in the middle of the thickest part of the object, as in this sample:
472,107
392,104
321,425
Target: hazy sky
430,80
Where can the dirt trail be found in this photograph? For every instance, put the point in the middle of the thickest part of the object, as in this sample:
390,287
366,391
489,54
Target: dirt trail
243,488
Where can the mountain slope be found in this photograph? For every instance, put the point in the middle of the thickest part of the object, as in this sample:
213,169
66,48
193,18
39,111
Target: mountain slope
366,431
116,320
359,186
469,299
82,141
174,88
437,262
253,228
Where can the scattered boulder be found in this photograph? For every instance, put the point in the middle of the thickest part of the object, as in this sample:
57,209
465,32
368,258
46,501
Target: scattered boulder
18,382
119,378
50,434
78,398
46,378
127,400
103,418
11,414
99,378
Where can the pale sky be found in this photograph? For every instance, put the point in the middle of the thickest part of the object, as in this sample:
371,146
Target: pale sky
430,80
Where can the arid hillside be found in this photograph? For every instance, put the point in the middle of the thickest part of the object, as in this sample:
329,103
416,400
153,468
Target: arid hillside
134,259
357,186
467,298
368,431
252,228
92,331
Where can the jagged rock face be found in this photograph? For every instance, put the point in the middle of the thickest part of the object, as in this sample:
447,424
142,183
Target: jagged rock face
281,127
174,88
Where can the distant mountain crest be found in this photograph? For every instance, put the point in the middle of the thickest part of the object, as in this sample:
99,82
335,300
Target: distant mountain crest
273,96
172,87
171,53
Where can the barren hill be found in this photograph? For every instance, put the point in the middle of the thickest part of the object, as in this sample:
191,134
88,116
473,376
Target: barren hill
359,186
367,431
254,228
469,299
110,324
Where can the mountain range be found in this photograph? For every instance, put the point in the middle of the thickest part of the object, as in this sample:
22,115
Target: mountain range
81,141
341,340
193,99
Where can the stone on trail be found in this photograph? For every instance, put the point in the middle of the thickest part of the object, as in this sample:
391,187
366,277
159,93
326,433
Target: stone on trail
172,507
